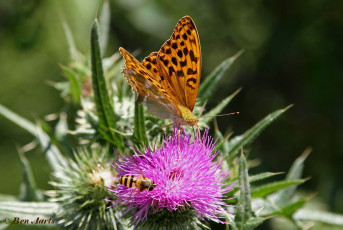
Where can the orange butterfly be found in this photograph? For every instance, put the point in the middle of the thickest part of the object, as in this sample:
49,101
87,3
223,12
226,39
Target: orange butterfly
167,81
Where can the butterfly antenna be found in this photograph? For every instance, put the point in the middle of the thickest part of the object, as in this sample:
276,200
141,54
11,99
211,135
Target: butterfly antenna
221,115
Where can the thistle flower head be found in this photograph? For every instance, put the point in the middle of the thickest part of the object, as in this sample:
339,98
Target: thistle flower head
186,177
80,189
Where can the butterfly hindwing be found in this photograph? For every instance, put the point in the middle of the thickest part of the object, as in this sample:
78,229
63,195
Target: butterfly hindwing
180,59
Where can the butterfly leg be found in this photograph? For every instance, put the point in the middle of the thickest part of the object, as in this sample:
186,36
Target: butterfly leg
165,126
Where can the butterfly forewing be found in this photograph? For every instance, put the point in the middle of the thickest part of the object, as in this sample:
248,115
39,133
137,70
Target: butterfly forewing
150,63
179,59
148,90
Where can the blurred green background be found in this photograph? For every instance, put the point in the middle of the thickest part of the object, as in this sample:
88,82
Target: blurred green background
293,55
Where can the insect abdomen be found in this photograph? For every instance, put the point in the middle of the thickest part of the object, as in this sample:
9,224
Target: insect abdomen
128,181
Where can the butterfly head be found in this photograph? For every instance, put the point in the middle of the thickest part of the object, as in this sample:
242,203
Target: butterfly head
188,118
191,121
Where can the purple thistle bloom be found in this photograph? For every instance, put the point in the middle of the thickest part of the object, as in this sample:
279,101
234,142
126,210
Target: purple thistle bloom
185,175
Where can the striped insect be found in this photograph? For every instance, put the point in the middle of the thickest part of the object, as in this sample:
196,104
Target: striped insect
142,183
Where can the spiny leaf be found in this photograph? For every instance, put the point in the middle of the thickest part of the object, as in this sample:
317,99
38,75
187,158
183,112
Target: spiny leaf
74,84
211,82
6,197
262,176
243,212
139,132
216,110
297,167
250,135
107,118
54,157
289,209
28,188
252,223
18,120
319,216
294,173
71,43
222,143
269,188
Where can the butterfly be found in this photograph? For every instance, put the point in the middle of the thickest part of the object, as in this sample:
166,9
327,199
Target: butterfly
167,81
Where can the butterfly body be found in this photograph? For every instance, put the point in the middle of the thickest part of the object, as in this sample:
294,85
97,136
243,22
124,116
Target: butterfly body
187,117
167,81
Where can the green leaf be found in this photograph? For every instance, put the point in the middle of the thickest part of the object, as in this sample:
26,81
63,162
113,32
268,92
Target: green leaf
222,143
18,120
250,135
252,223
139,132
243,211
6,197
319,216
61,128
262,176
28,188
71,43
74,84
107,118
269,188
297,167
104,22
294,173
61,86
216,110
54,157
289,209
211,82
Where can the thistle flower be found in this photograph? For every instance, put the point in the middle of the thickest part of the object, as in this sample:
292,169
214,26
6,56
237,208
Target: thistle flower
187,179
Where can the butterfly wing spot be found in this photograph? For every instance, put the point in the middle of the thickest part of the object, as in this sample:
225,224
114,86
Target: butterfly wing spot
185,51
171,70
191,82
191,72
183,63
180,73
174,60
174,46
193,58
